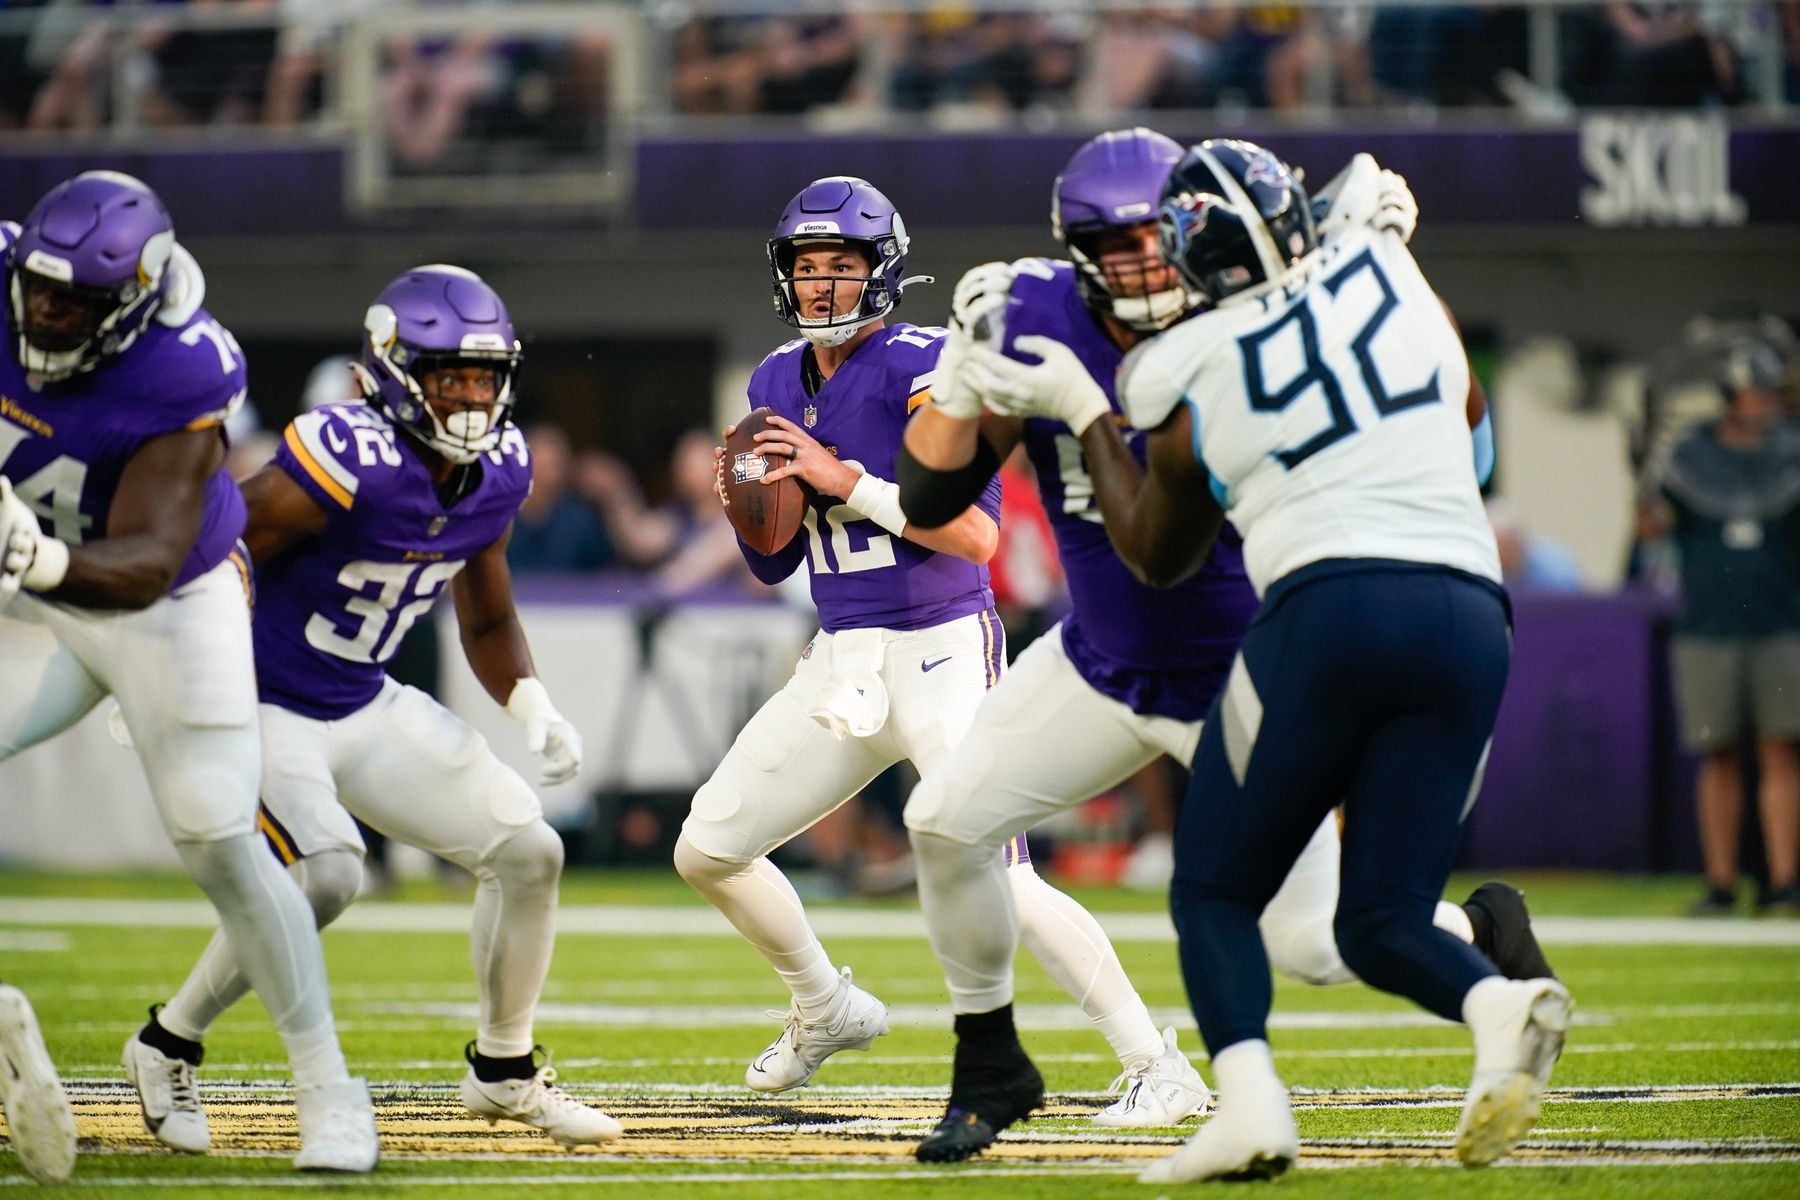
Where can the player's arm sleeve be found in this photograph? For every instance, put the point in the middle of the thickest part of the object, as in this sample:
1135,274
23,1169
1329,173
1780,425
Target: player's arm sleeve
1483,435
1148,391
316,452
931,498
773,568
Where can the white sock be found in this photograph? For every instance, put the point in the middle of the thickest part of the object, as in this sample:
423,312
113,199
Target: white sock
969,914
1073,950
1453,920
758,899
1245,1068
512,936
276,943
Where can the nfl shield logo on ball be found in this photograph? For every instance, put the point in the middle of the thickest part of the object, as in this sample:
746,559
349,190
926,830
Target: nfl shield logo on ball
748,467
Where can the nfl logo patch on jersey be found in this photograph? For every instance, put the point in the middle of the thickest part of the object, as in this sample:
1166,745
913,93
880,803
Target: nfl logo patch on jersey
747,467
810,415
437,526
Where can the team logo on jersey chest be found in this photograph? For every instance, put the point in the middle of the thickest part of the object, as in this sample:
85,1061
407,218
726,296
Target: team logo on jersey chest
17,414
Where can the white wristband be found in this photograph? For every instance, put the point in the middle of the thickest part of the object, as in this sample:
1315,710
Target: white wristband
878,500
529,701
48,565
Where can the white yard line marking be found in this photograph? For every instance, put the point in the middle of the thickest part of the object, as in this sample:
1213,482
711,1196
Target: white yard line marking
663,921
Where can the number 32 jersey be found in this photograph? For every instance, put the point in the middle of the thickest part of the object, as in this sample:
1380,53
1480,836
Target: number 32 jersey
333,608
1330,414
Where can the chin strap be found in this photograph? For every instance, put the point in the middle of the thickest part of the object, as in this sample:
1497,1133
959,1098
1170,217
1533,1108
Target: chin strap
910,280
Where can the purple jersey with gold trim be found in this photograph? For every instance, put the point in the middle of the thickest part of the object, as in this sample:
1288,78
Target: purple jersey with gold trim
1160,651
65,446
862,576
333,608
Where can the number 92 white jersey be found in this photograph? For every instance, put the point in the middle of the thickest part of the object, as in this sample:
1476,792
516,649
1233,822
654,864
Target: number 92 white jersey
1331,415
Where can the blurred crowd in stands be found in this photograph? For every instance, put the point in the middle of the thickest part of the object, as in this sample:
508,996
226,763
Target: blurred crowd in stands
446,100
952,59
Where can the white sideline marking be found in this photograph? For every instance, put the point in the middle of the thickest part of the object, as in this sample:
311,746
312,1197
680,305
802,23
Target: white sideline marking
967,1173
110,1087
50,940
662,921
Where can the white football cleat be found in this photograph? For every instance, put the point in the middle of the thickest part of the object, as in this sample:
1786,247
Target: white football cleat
1519,1027
1251,1136
537,1102
337,1127
853,1022
167,1097
1165,1090
39,1122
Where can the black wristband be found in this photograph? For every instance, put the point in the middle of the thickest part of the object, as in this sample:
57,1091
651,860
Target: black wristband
931,498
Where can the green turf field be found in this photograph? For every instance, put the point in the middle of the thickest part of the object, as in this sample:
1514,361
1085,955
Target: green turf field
1682,1077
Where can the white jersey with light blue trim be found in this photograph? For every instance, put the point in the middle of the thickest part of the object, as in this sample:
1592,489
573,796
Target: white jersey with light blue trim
1330,414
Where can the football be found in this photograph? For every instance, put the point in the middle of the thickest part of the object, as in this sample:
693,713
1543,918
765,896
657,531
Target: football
766,516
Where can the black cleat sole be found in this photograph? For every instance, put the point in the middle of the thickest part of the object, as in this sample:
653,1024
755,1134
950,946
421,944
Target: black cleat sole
958,1137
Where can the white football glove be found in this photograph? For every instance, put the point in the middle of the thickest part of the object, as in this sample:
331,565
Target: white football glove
977,318
546,731
1059,387
978,306
1396,211
29,558
18,541
1364,193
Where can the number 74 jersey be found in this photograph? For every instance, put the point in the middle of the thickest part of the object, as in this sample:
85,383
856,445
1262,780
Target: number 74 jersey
1330,414
333,608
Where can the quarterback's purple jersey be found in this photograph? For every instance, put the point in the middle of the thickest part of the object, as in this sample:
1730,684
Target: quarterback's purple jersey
1161,651
862,576
64,447
332,609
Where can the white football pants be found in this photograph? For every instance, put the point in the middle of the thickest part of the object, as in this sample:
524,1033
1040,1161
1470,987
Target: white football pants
786,771
181,672
1045,740
410,768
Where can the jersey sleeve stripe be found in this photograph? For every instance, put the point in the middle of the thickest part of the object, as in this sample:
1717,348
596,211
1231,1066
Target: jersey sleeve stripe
917,399
329,478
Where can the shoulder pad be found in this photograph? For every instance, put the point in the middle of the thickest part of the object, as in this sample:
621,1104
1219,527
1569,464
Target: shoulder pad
343,449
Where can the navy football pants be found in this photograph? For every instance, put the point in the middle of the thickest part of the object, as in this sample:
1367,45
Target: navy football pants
1374,684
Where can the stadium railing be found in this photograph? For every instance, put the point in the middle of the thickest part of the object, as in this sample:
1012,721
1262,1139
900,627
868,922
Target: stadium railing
541,105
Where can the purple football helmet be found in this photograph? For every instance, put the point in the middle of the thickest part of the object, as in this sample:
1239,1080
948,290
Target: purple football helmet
1115,182
434,318
85,272
841,210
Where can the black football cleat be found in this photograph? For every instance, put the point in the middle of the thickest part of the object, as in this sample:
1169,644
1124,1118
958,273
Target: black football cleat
979,1111
1503,931
960,1135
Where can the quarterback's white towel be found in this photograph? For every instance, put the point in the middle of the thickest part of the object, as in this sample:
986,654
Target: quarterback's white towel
855,701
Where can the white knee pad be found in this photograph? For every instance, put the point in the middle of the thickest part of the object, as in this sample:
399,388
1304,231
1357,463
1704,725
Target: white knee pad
330,881
1306,950
701,870
531,858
